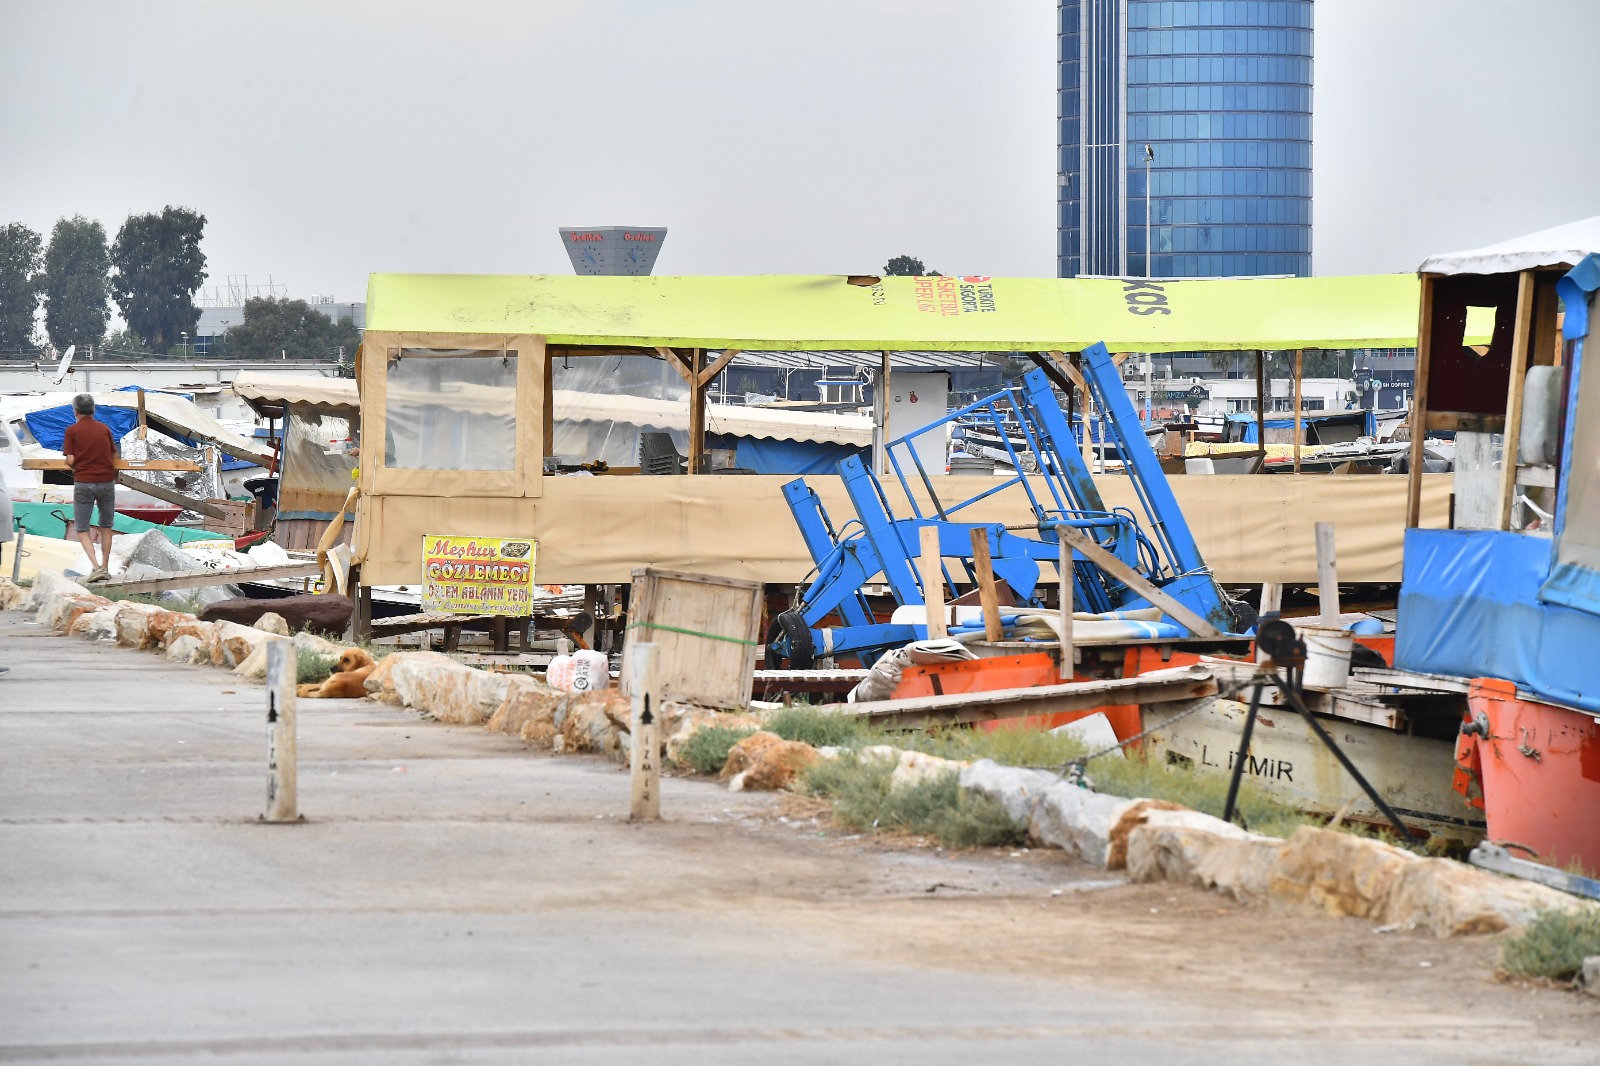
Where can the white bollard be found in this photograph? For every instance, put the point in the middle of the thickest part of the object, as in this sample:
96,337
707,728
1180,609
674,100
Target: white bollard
646,732
282,758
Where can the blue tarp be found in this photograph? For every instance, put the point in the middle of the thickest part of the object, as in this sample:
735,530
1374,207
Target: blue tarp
49,427
1470,607
767,456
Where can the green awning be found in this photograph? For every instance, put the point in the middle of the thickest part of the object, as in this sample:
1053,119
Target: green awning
899,313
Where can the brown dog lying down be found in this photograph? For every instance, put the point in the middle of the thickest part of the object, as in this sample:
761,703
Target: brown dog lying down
348,680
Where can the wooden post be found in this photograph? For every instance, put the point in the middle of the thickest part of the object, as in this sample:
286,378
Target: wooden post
142,429
645,729
1064,565
1327,576
880,414
933,583
1261,403
1419,402
697,412
1512,434
1271,597
988,594
1299,426
282,757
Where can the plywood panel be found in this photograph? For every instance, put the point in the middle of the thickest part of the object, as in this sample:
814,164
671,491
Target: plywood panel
705,629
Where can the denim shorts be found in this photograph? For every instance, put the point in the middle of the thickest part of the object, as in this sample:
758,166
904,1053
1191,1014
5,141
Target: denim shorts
86,495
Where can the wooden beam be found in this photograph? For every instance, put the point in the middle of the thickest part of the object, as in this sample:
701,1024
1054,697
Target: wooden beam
1136,581
1072,373
206,507
932,571
1057,378
709,373
1327,576
142,425
677,363
1521,332
199,579
988,594
1419,402
1064,597
1465,421
697,412
549,405
165,465
1157,686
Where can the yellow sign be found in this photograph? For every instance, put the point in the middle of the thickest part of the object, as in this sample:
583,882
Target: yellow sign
478,575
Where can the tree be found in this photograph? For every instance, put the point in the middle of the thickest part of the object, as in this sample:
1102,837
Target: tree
125,342
76,266
272,327
21,285
157,268
1315,363
908,266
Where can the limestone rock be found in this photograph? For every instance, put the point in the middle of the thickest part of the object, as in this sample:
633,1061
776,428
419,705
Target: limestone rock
272,623
1329,872
98,624
915,767
133,621
435,683
59,609
680,721
1591,975
1454,899
50,583
1016,789
1133,815
528,711
11,595
1171,846
1077,821
188,649
587,723
231,643
766,761
254,665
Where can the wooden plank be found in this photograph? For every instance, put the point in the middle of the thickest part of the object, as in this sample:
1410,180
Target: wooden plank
1299,419
119,464
1159,686
199,579
1271,596
707,632
1137,582
988,594
1465,422
1057,378
931,570
677,363
1070,372
1064,597
1327,576
710,372
209,508
1419,402
1522,328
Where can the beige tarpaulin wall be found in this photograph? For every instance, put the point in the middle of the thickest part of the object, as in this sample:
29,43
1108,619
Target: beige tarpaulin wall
595,530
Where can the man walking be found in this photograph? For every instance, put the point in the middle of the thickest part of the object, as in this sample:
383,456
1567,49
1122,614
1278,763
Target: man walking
91,453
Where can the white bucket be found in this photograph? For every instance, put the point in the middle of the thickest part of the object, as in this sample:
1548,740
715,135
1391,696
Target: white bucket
591,671
1327,657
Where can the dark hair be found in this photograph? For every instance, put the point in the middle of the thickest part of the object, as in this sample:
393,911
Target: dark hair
83,403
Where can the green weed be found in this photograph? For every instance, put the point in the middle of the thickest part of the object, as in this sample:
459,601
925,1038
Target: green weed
1553,945
311,667
862,797
707,748
821,730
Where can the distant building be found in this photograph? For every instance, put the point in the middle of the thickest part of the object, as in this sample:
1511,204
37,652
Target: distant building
1220,91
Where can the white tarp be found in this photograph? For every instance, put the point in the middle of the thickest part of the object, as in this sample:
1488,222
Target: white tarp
255,387
1558,246
734,421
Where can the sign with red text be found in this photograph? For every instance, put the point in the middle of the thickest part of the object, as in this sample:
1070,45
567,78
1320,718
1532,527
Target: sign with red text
478,575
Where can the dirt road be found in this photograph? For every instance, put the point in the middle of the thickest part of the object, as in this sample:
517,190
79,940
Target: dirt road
455,898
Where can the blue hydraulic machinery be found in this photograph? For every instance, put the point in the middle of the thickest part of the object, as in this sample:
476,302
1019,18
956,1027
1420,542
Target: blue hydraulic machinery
878,547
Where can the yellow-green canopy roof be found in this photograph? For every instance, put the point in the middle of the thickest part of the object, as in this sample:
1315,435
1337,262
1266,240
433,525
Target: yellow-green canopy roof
911,314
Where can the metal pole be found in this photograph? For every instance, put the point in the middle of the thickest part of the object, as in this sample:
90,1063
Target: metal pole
1064,565
1149,157
282,757
16,560
1243,753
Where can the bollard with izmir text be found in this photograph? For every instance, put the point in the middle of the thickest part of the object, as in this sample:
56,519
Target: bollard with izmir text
282,758
646,733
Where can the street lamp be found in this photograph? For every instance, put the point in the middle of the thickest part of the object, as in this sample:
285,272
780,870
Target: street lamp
1149,157
185,337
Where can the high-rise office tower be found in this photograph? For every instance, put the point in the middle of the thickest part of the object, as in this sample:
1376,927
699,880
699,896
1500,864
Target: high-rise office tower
1210,100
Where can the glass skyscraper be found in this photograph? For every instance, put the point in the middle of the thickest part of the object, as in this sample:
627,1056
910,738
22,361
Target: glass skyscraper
1220,91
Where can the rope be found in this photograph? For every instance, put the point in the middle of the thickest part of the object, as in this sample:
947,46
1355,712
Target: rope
695,633
1073,771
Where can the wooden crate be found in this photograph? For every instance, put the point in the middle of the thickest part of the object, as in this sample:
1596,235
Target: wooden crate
238,520
684,615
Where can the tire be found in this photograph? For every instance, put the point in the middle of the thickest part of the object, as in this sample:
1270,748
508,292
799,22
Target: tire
802,651
1244,616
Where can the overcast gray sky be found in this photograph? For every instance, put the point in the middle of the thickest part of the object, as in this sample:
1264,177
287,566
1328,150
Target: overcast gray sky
324,141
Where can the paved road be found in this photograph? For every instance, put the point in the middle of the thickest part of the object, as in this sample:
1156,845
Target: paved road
453,898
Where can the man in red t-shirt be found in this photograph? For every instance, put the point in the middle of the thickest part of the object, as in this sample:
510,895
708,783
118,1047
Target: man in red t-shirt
91,453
